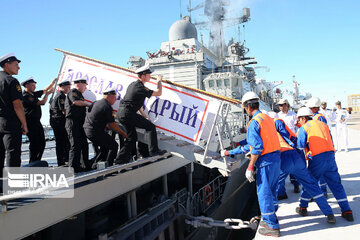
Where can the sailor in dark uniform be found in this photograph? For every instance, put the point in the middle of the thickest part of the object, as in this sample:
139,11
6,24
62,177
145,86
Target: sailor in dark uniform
75,111
32,108
57,122
12,116
97,118
130,119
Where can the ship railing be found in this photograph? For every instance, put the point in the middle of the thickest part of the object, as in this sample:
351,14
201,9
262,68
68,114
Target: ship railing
208,195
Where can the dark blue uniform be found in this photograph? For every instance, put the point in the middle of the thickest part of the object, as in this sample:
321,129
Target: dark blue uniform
57,122
98,116
128,117
10,125
75,117
36,131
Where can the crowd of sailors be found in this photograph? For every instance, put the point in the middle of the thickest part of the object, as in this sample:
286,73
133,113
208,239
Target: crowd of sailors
299,144
73,120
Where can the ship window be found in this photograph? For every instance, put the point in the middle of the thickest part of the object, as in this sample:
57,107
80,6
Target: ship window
211,83
236,82
227,82
218,83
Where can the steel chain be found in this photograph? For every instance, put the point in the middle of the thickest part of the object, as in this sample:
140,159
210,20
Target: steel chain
228,223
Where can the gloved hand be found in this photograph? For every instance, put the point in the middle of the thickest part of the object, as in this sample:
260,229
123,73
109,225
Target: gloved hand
224,153
250,174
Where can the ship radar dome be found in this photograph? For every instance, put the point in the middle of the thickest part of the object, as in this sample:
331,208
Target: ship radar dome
182,29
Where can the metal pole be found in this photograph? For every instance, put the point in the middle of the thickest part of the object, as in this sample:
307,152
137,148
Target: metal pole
189,171
128,201
62,63
165,186
212,130
133,203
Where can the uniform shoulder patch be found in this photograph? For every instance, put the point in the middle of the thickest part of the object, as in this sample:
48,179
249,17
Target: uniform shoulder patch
31,98
18,88
74,94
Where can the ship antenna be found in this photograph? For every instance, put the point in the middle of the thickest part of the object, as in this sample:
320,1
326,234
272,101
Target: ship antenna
180,9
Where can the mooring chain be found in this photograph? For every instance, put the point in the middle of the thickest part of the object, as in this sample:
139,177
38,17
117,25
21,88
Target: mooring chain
228,223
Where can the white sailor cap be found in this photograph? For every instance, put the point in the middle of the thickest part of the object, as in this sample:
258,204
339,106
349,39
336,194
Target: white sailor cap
29,80
64,83
110,91
144,69
10,57
80,80
283,101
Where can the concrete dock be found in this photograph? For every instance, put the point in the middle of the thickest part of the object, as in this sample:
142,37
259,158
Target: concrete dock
314,226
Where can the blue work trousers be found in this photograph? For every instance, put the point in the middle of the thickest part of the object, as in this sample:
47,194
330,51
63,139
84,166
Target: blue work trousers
293,161
267,177
324,165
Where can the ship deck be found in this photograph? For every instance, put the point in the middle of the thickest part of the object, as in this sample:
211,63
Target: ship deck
314,226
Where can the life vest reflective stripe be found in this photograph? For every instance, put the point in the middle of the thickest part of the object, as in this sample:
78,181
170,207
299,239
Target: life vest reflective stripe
318,137
284,146
292,135
268,133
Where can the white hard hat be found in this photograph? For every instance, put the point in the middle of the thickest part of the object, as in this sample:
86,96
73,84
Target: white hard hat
272,114
304,111
313,102
283,101
249,96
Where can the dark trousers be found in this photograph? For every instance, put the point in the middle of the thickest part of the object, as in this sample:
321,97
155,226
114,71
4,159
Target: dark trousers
131,121
79,148
10,146
108,146
61,140
36,138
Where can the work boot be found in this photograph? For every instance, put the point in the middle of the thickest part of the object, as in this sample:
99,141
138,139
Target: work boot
296,189
331,219
348,215
302,211
267,231
264,224
282,197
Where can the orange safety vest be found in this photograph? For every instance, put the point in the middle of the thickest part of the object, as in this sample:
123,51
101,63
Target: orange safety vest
317,116
318,137
268,133
291,133
284,146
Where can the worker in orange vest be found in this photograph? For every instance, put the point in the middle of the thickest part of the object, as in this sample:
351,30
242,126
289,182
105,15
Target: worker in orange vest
293,161
315,138
265,156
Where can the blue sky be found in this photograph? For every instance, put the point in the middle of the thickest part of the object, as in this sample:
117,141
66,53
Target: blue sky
317,41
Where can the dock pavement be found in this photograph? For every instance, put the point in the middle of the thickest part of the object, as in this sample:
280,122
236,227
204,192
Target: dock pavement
314,226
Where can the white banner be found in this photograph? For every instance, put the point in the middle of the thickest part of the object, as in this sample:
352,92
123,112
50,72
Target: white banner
185,114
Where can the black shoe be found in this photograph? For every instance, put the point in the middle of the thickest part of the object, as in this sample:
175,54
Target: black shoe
326,195
158,153
296,189
311,200
269,232
282,197
331,219
302,211
348,215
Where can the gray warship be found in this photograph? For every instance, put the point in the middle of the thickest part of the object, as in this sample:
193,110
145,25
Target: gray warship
190,193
